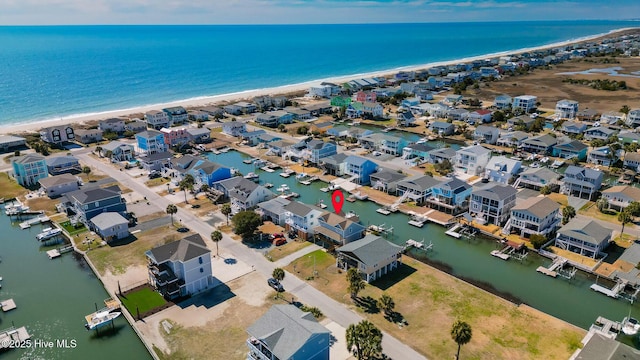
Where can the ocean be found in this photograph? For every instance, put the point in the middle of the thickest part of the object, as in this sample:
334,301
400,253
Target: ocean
51,72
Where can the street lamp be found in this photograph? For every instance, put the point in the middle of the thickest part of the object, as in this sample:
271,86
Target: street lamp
314,264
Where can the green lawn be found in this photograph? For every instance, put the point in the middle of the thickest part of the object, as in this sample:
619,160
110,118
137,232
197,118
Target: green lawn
142,300
72,230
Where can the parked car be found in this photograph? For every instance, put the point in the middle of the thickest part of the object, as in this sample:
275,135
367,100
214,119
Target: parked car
275,284
154,175
279,241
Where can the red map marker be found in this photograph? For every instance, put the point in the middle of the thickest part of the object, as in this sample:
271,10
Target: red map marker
337,199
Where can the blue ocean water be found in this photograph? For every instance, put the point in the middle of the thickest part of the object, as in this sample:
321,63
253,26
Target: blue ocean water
56,71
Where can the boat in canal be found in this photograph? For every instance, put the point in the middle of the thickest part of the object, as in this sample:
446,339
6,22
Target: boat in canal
48,233
252,176
100,318
630,326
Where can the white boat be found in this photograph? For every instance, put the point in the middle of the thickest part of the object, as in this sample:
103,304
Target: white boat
283,188
556,164
268,185
48,233
100,318
360,196
251,176
630,326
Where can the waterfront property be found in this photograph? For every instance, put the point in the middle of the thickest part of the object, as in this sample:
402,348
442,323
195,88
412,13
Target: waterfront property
633,118
63,164
243,194
150,142
386,180
392,145
512,139
583,236
57,134
502,102
286,332
88,136
566,109
600,132
481,116
632,160
539,145
311,150
180,268
234,128
419,188
451,196
273,210
571,149
492,204
334,165
536,178
472,160
612,117
59,185
502,169
110,226
442,128
338,229
301,218
373,256
603,156
157,119
416,151
251,138
579,181
278,147
486,134
536,215
29,169
199,136
82,205
118,151
360,169
523,122
620,196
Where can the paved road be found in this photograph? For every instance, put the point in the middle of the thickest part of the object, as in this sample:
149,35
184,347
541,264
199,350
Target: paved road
298,288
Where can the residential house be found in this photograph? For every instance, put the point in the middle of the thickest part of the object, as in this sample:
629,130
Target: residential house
579,181
204,172
526,103
339,131
632,160
324,127
157,119
358,133
234,128
524,121
486,134
492,204
29,169
115,125
372,141
180,268
118,151
365,96
620,196
502,102
539,145
597,345
600,132
603,156
628,137
324,91
335,164
372,109
240,108
213,111
419,188
278,147
88,136
612,117
405,119
8,142
487,71
534,215
437,156
286,332
417,150
566,109
502,169
58,185
386,180
583,236
392,145
298,114
274,118
199,135
536,178
373,256
452,99
458,114
273,210
63,164
57,134
150,142
360,169
176,115
512,138
156,161
571,149
135,126
337,229
588,115
340,101
243,194
451,196
86,203
198,116
442,128
110,226
439,110
410,102
175,136
633,118
472,160
301,218
481,116
311,150
573,127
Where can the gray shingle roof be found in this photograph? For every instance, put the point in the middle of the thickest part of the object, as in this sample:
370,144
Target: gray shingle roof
586,230
298,208
443,152
108,219
84,196
275,205
573,145
496,192
335,159
114,145
537,206
370,250
546,140
57,180
419,182
588,173
157,156
420,147
29,158
149,134
61,160
285,329
182,250
600,347
454,184
388,175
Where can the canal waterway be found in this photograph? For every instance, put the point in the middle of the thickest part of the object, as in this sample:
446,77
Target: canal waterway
52,298
569,300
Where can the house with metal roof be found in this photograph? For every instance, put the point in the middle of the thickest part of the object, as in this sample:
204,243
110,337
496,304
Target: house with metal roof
492,204
63,164
535,215
580,181
286,332
570,150
29,169
273,210
583,236
502,169
338,229
110,226
373,256
58,185
419,188
180,268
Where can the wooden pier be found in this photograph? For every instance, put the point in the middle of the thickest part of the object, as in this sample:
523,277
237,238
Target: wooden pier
418,245
54,253
452,232
36,220
607,327
508,250
8,305
557,264
12,336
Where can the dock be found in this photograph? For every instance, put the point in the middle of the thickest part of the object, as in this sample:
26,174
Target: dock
8,305
507,251
384,211
418,245
614,292
609,327
453,231
12,336
54,253
557,264
417,220
267,169
36,220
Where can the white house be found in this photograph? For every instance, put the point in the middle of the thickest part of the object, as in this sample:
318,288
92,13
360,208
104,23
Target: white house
633,118
301,218
502,169
486,134
524,102
59,185
492,204
244,194
566,109
157,119
110,226
472,160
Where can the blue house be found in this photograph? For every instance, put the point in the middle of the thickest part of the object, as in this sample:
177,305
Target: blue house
451,196
29,169
150,142
339,131
203,171
82,205
409,102
360,168
393,145
570,150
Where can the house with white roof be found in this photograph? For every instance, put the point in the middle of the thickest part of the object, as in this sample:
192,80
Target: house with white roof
472,160
110,226
502,169
612,117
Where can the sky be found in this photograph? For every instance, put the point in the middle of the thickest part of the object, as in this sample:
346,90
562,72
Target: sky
74,12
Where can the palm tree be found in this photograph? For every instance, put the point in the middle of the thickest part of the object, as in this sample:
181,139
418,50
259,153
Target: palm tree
108,154
386,303
356,284
278,274
226,211
461,334
624,217
216,236
86,170
172,209
568,213
602,204
364,340
204,188
99,150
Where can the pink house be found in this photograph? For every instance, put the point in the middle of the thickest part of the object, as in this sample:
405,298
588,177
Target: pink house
175,136
366,96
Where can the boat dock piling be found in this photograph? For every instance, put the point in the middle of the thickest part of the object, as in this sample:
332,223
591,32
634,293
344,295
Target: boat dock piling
558,263
12,336
510,249
418,245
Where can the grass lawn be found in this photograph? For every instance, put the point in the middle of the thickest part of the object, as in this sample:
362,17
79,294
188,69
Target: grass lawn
157,181
72,230
431,301
117,256
559,198
289,248
9,188
43,203
593,212
142,300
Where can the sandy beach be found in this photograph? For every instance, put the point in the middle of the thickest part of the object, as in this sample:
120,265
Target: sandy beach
28,127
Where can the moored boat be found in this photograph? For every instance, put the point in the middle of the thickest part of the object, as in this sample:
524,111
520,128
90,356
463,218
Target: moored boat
100,318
